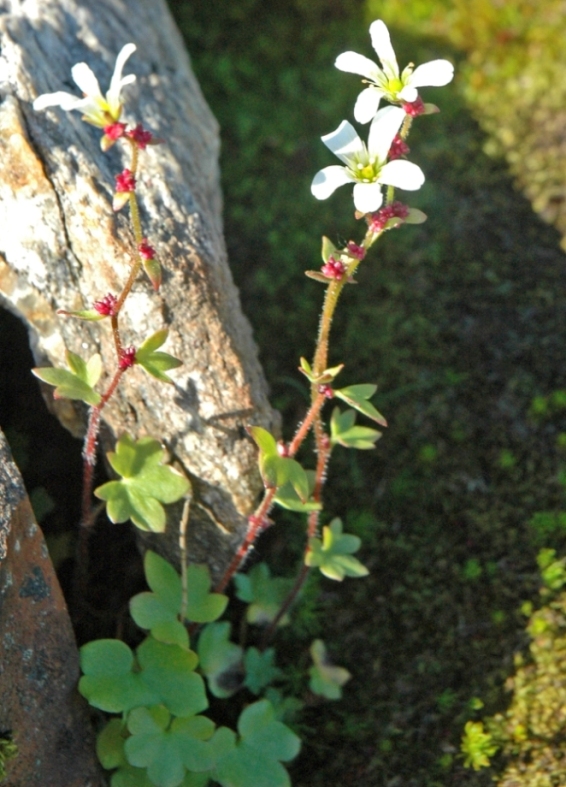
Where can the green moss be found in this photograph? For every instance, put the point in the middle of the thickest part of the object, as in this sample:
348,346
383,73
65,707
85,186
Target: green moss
8,751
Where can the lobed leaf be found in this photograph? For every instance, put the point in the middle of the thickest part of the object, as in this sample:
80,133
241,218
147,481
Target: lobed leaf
356,396
146,483
326,679
255,759
343,431
220,659
260,669
154,362
333,554
263,593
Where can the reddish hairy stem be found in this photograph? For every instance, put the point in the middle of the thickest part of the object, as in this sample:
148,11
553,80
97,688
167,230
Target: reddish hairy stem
256,524
89,449
304,428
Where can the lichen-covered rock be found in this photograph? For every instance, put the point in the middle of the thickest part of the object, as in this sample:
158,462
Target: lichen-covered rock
40,709
63,247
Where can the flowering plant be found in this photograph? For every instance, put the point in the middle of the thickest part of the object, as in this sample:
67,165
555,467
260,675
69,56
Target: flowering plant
387,82
160,690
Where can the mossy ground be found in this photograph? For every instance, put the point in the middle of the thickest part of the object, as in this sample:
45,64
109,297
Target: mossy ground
461,322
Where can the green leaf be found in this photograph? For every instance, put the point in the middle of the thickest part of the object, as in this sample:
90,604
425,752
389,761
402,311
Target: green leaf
146,483
279,470
153,270
128,776
84,314
327,376
326,679
356,396
260,669
333,555
415,216
154,362
108,682
159,611
77,382
256,758
264,440
110,744
168,670
203,606
263,593
328,248
344,432
220,659
286,497
166,753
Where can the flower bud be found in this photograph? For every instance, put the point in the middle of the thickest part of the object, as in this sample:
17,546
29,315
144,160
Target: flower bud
107,305
333,268
127,358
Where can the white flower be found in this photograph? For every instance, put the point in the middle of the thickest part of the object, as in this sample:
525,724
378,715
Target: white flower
367,167
386,82
97,109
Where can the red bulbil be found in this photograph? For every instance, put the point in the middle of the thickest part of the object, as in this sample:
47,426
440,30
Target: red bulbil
125,182
326,390
282,448
106,305
415,108
378,220
146,251
398,148
115,130
358,252
140,136
333,269
127,358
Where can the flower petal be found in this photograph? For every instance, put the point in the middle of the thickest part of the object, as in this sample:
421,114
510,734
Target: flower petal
61,99
436,73
117,81
85,79
345,143
367,197
402,174
408,93
327,180
367,104
381,42
358,64
384,127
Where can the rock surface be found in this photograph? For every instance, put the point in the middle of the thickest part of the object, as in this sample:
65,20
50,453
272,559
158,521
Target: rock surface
63,247
39,667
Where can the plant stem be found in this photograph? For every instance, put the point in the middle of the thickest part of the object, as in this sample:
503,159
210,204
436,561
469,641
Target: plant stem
183,548
89,449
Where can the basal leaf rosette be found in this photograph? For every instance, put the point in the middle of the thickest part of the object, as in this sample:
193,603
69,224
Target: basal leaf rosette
145,483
